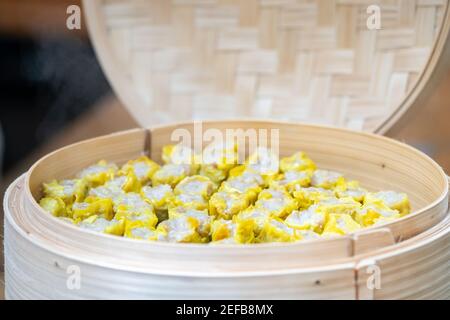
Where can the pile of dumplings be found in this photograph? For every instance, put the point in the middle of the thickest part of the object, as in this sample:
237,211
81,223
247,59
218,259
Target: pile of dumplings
217,201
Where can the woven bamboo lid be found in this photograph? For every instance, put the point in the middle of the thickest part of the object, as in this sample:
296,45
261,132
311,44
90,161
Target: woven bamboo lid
302,60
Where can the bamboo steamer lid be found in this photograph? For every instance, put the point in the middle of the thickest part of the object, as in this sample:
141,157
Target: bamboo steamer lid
304,60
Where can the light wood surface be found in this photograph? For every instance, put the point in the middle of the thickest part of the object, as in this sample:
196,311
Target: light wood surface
376,161
314,61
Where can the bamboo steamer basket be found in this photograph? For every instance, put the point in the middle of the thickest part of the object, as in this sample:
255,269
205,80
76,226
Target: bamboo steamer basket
39,248
305,60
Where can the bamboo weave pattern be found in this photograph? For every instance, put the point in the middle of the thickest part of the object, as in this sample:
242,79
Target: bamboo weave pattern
306,60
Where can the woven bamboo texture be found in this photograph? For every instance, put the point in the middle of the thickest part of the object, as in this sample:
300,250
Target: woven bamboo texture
306,60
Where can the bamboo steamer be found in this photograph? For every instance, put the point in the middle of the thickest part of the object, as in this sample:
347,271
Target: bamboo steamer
39,249
312,61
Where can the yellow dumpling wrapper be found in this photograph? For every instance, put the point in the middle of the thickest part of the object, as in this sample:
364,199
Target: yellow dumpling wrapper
214,173
100,224
240,231
202,216
217,160
197,184
136,216
93,206
394,200
247,174
69,191
309,219
292,180
326,179
55,206
132,207
297,162
265,162
160,196
110,190
132,201
99,173
350,189
243,179
182,229
277,201
142,168
275,230
170,174
223,156
374,213
341,206
308,196
302,235
116,227
128,182
340,224
194,201
180,154
135,219
249,188
259,215
221,229
142,233
239,171
227,204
